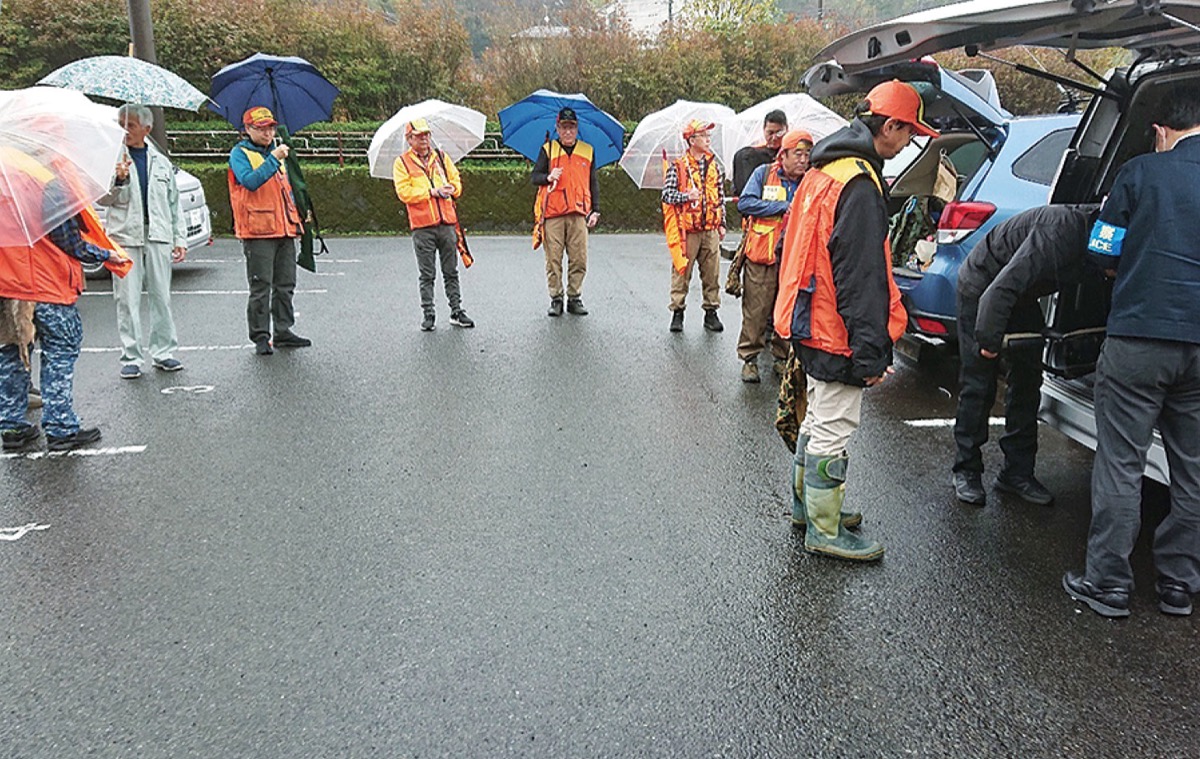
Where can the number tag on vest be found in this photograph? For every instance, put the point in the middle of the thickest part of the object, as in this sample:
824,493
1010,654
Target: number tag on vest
774,193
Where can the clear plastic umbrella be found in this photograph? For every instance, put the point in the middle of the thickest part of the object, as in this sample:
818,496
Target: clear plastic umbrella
130,80
803,112
456,129
58,151
663,131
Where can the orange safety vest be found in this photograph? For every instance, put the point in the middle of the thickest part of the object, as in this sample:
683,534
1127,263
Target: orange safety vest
706,213
762,232
268,212
805,264
429,211
573,192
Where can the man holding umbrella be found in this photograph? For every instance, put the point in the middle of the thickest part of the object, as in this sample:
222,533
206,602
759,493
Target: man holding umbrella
265,219
568,201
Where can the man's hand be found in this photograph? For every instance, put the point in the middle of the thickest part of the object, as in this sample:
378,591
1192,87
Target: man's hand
693,194
987,353
445,191
592,218
281,152
123,169
721,230
555,173
873,381
178,253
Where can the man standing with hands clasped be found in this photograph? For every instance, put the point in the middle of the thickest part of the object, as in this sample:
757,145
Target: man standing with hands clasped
568,198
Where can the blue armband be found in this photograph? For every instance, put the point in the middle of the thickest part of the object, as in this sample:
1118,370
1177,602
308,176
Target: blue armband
1106,240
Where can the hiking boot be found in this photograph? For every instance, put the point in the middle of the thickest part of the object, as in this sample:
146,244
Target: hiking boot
130,371
1028,489
711,322
427,322
677,321
1107,602
824,493
169,365
556,307
1173,598
459,318
575,306
750,371
15,440
262,346
77,439
968,487
291,340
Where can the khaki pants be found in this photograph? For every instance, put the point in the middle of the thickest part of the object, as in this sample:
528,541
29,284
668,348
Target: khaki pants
833,414
570,233
760,282
703,248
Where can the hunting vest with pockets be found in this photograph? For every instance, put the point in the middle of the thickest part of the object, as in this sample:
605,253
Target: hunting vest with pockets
430,211
704,214
268,212
762,232
573,193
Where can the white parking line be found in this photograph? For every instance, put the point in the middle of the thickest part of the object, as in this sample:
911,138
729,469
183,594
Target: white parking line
77,452
992,420
210,292
240,261
182,348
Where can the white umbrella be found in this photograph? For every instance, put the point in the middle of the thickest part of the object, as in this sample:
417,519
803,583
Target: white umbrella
803,112
663,130
456,129
128,79
58,151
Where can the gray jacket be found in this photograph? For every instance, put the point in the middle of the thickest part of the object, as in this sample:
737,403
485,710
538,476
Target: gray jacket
123,218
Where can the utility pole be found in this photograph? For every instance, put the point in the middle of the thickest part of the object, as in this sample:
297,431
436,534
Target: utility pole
141,31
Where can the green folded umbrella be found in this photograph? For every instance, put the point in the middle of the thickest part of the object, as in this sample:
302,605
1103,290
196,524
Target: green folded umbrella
312,228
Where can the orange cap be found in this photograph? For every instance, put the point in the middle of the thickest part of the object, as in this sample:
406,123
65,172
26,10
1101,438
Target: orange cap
259,116
416,126
900,100
794,138
696,126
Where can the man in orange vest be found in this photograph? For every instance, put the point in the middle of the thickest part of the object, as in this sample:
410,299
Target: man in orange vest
840,307
568,197
427,182
265,219
764,202
49,272
694,186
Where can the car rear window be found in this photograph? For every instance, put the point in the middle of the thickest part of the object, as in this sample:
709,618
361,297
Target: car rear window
967,158
1040,161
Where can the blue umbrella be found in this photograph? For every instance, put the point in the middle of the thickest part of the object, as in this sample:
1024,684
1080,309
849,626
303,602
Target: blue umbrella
526,122
291,87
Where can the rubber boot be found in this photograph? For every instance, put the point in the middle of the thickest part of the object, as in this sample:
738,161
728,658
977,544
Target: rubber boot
824,492
851,519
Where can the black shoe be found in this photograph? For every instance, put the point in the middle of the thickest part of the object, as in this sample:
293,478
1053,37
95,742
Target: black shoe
15,440
427,322
262,346
1107,602
1028,489
77,440
556,307
968,487
1174,598
575,306
459,318
677,321
712,323
291,340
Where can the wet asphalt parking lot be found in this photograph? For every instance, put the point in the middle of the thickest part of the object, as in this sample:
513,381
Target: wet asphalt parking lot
541,537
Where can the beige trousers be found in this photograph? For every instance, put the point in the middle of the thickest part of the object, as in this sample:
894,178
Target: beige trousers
703,250
760,282
834,410
568,233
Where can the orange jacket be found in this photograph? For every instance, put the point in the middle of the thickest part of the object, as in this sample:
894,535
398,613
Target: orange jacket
806,308
415,180
573,193
708,212
268,211
762,232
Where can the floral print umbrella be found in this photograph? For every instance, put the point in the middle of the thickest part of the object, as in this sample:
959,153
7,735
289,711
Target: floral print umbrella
128,79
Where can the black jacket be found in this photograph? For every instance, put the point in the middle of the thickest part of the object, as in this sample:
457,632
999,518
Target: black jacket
1035,253
861,271
745,161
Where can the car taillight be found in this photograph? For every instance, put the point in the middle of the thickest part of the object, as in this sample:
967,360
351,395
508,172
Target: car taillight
930,326
961,218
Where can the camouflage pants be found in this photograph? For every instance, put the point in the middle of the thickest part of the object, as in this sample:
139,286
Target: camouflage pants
60,332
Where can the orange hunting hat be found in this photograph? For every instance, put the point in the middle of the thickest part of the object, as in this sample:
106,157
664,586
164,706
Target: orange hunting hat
794,138
417,126
696,126
259,116
899,100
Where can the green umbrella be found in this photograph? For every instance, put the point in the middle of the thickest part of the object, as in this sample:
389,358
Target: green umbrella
312,228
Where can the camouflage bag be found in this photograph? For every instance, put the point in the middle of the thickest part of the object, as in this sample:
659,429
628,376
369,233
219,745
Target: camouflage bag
793,401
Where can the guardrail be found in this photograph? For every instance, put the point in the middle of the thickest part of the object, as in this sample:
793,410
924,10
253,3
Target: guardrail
328,147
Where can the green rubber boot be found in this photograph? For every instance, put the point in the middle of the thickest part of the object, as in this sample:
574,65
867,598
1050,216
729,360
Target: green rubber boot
824,492
850,519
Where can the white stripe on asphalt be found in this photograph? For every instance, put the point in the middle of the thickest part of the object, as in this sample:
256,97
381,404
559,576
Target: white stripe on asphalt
992,420
182,348
77,452
210,292
240,261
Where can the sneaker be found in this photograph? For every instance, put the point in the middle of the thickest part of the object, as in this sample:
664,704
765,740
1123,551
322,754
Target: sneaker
130,371
1028,489
1107,602
77,440
677,321
15,440
1173,598
575,306
427,322
262,346
711,322
291,340
968,487
556,307
168,365
750,371
460,319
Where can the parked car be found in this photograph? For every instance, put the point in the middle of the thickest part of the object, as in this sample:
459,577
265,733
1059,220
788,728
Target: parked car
1163,36
1003,164
194,207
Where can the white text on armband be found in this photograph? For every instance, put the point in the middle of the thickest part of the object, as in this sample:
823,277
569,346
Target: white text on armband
1106,239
